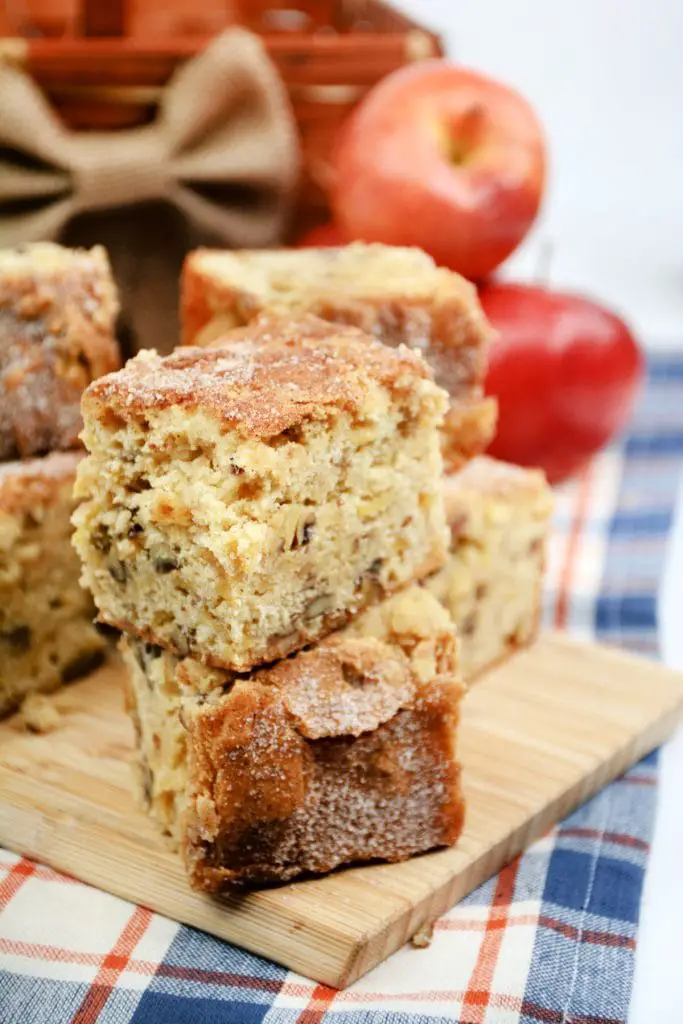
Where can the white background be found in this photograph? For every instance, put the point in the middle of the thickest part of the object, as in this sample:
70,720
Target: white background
606,78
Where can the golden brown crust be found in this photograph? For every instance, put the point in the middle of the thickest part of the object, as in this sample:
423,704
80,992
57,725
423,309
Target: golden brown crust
37,482
336,756
469,428
262,379
57,314
397,295
343,687
199,298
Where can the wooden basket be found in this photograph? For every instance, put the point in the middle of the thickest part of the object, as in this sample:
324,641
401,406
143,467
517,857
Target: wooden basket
104,62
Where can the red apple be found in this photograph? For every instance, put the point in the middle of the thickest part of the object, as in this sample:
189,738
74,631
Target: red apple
321,236
565,371
443,158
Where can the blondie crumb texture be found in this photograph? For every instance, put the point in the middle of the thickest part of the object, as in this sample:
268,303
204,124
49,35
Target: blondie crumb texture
398,295
469,428
499,516
58,309
39,714
47,635
242,502
414,621
341,753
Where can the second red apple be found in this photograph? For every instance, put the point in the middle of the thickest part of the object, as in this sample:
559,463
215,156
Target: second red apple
565,371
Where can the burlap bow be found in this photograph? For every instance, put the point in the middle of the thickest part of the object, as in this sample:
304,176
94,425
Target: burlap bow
222,151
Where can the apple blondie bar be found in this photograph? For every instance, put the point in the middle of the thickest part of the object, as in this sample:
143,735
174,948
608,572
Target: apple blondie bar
243,501
398,295
499,517
58,309
344,752
47,635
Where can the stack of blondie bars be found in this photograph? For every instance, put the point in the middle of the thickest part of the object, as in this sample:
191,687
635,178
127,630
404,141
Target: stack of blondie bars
498,515
57,314
240,507
263,517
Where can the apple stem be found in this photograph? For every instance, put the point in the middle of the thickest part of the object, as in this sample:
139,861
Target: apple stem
468,125
463,133
473,116
546,251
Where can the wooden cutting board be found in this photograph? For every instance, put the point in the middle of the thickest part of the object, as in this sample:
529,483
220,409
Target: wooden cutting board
539,736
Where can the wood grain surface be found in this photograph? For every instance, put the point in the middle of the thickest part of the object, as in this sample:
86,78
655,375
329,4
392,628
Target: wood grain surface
539,735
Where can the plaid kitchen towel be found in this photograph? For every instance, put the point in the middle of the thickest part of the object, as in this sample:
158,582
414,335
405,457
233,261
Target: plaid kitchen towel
552,938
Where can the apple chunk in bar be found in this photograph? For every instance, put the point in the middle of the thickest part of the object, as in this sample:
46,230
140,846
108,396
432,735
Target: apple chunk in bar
499,516
397,295
241,502
342,753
